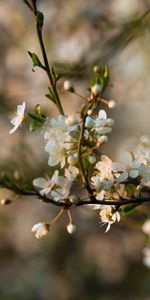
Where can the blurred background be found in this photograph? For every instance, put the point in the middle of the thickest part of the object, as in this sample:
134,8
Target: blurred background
78,35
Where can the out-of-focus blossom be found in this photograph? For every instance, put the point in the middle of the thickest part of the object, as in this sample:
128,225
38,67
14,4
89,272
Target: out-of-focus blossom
146,227
18,118
146,257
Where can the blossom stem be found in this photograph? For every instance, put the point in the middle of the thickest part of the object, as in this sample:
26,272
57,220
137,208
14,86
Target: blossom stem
57,216
81,138
79,95
44,54
70,216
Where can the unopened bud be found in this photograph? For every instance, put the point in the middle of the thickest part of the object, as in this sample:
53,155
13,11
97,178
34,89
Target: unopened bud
71,228
92,159
111,104
96,89
5,201
89,112
68,86
72,160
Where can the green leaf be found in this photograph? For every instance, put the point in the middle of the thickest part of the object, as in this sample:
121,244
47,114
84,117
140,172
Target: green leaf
127,209
51,95
40,17
35,60
36,121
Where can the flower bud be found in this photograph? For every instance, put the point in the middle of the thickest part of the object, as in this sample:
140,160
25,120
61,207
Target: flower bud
71,228
40,229
74,199
5,201
89,122
71,120
96,89
92,159
111,104
72,160
68,86
89,112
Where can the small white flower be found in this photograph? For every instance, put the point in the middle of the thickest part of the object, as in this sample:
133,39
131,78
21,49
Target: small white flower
71,228
146,227
46,185
18,118
63,192
128,168
105,167
108,216
40,229
57,135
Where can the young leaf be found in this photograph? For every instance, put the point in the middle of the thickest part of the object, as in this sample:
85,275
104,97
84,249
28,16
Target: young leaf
51,95
35,60
127,209
36,121
40,17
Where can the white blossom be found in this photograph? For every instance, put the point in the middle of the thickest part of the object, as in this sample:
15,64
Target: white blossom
57,135
18,117
108,216
40,229
128,168
46,184
63,191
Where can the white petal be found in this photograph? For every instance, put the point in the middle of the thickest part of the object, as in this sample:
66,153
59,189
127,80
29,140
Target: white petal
123,177
40,182
134,173
102,114
108,227
53,160
116,167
